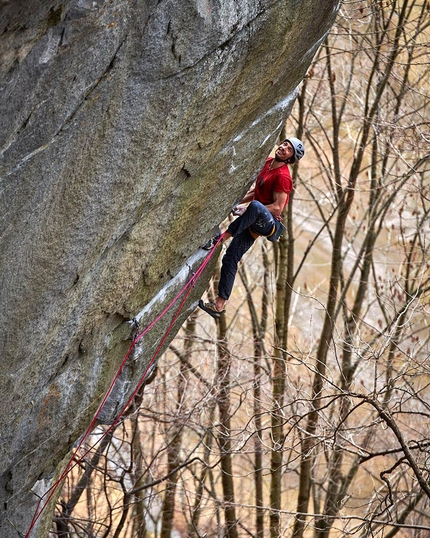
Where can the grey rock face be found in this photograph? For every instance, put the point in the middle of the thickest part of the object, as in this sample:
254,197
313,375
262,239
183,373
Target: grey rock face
128,129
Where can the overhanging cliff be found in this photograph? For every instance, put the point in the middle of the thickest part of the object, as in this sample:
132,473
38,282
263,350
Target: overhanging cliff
128,130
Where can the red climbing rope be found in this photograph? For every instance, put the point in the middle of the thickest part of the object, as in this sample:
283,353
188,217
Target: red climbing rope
75,459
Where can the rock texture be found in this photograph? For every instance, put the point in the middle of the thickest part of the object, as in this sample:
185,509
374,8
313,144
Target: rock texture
128,130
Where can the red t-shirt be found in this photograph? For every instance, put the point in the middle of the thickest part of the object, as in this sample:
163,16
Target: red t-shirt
270,181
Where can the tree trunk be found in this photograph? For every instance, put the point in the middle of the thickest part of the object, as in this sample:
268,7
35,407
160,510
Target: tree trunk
224,439
320,368
284,290
258,331
173,450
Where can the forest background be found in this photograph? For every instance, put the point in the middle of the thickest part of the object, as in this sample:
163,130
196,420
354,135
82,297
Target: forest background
304,412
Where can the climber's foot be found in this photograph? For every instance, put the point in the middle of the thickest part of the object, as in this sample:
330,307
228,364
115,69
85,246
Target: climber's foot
211,309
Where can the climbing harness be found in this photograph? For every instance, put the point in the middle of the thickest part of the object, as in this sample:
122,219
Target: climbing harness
75,459
277,230
256,235
276,234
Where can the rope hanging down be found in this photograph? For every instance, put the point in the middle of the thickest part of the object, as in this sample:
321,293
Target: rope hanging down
75,459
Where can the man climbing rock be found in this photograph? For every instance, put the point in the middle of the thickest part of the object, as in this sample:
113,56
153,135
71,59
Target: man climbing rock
262,217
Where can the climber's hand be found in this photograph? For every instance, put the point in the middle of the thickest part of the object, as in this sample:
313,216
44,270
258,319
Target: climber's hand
238,210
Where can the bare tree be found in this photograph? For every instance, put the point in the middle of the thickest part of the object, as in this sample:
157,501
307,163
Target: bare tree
387,43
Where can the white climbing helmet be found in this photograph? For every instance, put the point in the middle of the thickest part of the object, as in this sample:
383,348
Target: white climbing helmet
299,149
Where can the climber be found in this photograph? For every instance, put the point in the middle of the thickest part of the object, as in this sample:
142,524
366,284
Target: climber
262,217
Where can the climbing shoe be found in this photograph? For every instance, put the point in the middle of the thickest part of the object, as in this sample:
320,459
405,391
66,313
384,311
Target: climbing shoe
211,309
211,243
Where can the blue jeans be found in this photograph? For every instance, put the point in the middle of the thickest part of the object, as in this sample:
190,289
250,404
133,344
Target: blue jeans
259,220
